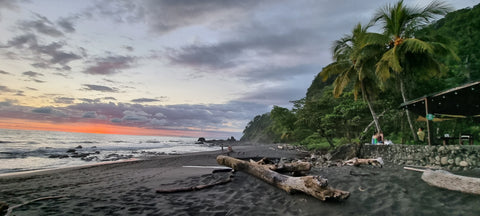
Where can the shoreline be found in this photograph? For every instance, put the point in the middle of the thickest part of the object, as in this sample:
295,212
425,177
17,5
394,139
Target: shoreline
69,168
128,188
90,163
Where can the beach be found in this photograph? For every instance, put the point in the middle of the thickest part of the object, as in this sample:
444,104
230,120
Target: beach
129,188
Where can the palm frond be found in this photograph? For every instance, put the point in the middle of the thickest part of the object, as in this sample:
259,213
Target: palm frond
342,80
444,50
434,9
383,66
333,69
414,45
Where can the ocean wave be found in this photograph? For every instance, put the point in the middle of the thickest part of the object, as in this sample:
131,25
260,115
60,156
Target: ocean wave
7,141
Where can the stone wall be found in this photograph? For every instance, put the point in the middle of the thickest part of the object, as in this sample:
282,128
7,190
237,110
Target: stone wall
450,157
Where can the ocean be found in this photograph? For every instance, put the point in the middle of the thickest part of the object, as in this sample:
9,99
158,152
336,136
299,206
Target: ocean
28,150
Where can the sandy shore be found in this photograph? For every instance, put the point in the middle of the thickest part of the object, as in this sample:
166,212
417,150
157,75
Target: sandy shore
129,189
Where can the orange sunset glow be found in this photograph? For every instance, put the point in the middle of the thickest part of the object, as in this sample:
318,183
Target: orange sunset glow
87,127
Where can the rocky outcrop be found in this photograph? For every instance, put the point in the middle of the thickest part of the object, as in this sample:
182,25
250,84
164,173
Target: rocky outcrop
346,152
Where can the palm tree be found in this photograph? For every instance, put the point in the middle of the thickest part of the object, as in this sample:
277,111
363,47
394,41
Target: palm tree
355,60
407,54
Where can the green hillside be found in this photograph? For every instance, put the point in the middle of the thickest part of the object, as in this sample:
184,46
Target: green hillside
321,120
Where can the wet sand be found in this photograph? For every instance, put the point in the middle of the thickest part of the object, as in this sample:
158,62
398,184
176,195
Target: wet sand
129,188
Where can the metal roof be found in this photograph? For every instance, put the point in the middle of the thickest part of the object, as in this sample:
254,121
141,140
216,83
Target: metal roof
462,101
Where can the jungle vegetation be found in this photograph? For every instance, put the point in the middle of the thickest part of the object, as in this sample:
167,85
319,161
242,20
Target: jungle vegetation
373,73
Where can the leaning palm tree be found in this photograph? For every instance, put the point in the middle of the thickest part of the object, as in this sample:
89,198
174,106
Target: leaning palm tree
355,60
406,55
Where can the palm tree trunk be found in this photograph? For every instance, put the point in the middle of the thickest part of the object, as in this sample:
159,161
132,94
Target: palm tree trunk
402,90
369,103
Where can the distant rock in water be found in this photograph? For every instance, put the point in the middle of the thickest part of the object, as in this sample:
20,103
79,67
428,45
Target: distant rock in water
58,156
71,151
202,140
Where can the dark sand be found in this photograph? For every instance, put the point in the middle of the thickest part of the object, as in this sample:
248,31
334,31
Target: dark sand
129,189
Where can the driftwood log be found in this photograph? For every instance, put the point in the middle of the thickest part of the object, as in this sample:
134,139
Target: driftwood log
359,161
315,186
450,181
295,168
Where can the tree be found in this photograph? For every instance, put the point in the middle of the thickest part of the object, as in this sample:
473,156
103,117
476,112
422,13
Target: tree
283,122
355,59
407,54
313,115
259,130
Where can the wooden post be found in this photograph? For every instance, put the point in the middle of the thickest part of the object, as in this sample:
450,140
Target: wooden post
428,124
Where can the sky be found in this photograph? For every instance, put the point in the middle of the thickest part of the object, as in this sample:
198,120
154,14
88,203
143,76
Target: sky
165,67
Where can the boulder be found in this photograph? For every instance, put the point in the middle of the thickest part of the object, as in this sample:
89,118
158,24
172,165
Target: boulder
346,152
58,156
463,164
457,161
444,161
71,151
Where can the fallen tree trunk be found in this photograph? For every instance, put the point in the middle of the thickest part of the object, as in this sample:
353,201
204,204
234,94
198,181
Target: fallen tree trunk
359,161
450,181
315,186
298,166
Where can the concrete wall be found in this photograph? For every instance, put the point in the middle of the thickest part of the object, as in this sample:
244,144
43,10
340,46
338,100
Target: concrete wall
450,157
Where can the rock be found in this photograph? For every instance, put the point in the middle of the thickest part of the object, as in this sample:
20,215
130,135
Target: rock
441,149
463,164
345,152
444,161
58,156
79,147
457,161
71,151
451,161
80,155
328,156
3,208
231,139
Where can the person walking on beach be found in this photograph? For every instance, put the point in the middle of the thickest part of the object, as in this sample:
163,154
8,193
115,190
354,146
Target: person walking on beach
421,135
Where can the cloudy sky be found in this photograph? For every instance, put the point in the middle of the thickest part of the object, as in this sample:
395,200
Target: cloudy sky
164,67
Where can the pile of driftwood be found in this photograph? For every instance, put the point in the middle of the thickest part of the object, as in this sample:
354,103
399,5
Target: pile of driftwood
276,175
315,186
